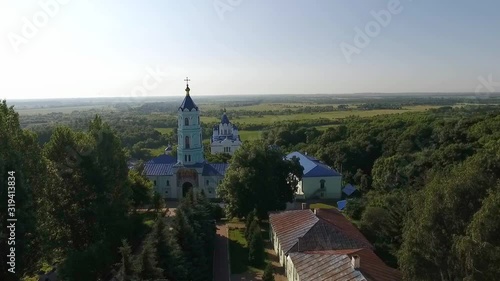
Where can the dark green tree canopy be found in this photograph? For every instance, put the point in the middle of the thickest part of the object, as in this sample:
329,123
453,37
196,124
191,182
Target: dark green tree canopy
260,178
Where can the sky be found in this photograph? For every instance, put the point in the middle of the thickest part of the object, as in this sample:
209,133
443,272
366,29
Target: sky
127,48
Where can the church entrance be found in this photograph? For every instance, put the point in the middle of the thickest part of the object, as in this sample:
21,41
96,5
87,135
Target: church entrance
186,187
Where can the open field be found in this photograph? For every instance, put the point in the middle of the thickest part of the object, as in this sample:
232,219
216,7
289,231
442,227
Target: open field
62,109
250,135
332,115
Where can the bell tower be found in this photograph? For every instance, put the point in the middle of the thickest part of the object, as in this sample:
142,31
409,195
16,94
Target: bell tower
190,146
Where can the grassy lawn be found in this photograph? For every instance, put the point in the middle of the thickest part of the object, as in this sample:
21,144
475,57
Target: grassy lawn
321,206
238,249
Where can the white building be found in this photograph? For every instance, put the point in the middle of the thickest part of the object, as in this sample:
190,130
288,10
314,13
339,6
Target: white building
174,177
225,137
319,180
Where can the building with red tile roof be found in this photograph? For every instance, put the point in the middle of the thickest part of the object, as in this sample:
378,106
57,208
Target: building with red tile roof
324,245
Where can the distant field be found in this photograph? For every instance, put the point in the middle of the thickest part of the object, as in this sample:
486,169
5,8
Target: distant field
67,109
249,135
269,119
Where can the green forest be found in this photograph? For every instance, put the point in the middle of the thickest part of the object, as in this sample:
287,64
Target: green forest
428,190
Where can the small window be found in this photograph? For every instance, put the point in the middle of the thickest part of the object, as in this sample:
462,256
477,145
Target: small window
186,142
209,191
322,184
154,182
186,121
207,182
189,158
168,183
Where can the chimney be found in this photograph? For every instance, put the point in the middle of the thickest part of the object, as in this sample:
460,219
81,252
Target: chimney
355,261
315,211
304,206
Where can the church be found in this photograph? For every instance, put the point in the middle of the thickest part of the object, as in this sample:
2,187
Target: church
225,138
174,177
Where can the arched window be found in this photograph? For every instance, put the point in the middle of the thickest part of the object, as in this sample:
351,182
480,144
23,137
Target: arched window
186,142
322,184
186,121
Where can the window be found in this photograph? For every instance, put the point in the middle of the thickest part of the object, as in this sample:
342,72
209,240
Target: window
322,184
186,142
185,158
227,149
168,183
154,182
186,121
189,158
209,191
207,182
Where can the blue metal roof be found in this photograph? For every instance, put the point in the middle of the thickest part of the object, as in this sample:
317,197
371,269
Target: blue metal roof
221,138
188,104
349,189
224,119
313,167
341,204
215,169
163,159
151,169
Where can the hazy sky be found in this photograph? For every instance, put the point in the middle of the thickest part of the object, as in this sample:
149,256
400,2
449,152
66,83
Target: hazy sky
86,48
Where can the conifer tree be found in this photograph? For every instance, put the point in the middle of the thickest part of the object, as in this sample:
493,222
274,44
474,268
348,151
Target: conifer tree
127,271
256,253
147,264
268,273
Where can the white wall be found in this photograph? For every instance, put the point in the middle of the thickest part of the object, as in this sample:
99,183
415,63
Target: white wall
309,185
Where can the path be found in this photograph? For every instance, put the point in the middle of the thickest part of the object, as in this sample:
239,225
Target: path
221,254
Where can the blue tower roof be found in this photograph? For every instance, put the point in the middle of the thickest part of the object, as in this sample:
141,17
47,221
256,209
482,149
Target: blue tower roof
224,119
188,102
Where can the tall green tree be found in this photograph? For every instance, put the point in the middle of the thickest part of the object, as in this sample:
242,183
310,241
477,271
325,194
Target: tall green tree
256,253
141,187
94,193
441,214
25,173
127,271
147,264
169,255
260,178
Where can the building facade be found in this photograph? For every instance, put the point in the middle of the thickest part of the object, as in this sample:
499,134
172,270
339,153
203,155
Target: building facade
319,181
173,177
225,137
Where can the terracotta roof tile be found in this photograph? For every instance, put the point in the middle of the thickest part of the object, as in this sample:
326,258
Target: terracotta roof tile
320,267
372,267
290,225
337,219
